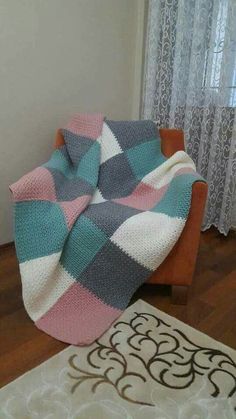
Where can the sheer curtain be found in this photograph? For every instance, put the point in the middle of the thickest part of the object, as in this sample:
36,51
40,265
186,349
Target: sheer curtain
190,83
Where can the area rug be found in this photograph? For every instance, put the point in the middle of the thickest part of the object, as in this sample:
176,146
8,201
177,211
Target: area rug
147,365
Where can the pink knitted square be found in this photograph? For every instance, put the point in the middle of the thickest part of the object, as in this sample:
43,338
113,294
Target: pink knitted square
78,317
86,125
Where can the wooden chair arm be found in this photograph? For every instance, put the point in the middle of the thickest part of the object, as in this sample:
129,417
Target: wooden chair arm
172,140
59,139
178,267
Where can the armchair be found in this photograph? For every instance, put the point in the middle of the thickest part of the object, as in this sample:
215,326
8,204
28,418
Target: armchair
178,268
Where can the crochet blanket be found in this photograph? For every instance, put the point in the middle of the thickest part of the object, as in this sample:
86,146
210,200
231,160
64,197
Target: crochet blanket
95,221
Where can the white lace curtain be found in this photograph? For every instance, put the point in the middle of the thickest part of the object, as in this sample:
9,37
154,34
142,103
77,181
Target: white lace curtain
190,83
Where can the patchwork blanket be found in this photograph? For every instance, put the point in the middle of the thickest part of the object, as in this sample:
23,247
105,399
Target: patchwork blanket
95,221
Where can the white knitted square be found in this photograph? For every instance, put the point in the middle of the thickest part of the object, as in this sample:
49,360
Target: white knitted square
109,144
148,237
44,281
163,174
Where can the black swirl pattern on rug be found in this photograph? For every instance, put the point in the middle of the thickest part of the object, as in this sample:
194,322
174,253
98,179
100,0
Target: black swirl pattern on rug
163,353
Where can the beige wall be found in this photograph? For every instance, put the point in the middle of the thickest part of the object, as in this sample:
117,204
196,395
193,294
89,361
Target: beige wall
59,57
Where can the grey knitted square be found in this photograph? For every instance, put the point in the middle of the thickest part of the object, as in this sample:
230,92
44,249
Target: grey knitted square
132,133
116,178
113,276
108,216
69,189
76,145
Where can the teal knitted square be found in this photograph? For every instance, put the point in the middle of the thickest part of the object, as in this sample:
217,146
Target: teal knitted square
145,157
82,245
40,229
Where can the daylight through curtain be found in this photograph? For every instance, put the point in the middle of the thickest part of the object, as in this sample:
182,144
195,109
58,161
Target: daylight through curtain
190,83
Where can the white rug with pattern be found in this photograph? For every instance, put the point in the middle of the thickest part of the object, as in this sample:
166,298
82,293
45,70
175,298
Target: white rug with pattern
148,365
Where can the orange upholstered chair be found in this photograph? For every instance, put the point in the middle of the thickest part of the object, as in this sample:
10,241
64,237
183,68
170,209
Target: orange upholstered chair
178,268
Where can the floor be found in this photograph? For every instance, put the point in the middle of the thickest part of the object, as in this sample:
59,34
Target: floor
211,305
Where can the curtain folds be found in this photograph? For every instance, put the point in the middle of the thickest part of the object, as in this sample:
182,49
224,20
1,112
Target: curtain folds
190,83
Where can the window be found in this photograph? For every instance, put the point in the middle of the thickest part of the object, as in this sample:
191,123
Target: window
220,62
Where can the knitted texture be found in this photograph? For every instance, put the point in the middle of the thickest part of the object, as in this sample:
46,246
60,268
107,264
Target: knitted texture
94,222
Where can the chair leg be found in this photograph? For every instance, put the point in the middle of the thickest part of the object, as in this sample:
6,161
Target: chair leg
179,294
